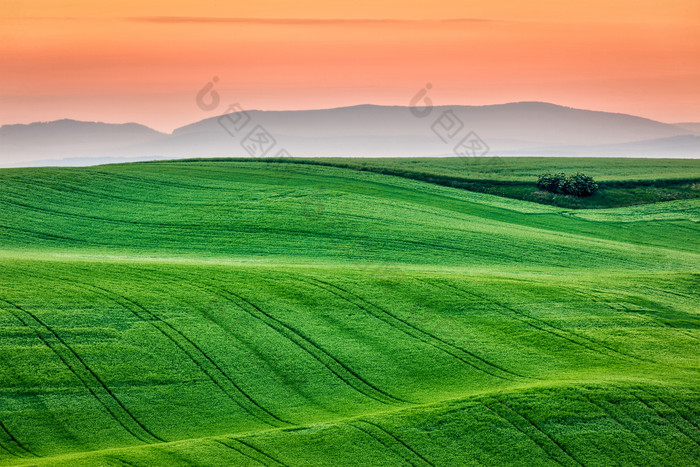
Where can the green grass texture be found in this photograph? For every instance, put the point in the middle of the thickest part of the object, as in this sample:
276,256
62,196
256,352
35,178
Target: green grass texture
256,313
622,181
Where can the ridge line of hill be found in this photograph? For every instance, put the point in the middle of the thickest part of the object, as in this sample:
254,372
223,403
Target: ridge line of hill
514,189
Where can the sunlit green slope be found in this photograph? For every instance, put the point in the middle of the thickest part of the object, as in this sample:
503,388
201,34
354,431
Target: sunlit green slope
242,312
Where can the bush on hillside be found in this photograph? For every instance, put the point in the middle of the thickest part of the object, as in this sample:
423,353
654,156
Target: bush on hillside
580,185
577,185
551,182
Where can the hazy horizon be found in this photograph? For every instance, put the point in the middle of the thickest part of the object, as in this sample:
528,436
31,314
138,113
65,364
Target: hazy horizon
516,129
365,104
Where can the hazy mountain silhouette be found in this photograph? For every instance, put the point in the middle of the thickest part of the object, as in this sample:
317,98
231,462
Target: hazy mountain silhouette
693,127
524,128
70,138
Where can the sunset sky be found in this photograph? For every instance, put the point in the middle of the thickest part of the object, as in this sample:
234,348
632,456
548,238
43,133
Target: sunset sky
145,61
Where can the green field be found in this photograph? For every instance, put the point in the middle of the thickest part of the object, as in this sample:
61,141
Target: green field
525,169
623,181
248,313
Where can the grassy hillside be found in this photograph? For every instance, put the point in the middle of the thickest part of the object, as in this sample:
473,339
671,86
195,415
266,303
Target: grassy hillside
525,169
254,313
623,182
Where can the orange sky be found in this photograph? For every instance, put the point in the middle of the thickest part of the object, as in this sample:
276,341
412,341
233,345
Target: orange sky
145,60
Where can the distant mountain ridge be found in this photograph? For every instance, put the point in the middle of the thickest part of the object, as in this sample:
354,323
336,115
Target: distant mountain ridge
693,127
71,138
522,128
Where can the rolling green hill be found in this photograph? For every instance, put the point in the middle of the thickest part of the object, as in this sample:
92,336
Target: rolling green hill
623,181
249,313
525,169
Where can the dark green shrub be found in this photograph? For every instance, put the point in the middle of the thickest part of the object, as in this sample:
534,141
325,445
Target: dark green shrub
577,185
580,185
551,182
